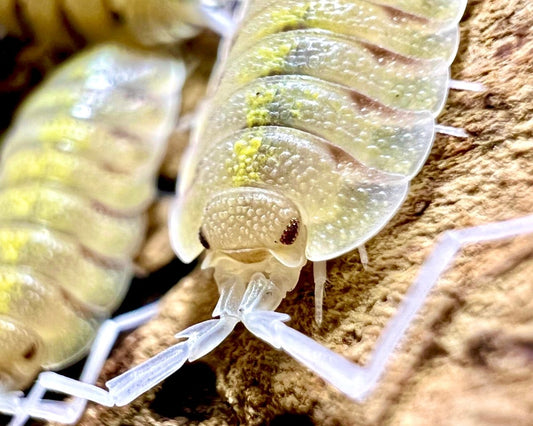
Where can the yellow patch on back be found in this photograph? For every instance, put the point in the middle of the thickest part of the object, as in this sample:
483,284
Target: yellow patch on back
17,203
37,164
258,107
294,17
246,160
52,98
9,290
73,134
269,60
12,244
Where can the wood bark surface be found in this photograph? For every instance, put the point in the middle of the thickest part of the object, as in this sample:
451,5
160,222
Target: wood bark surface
468,357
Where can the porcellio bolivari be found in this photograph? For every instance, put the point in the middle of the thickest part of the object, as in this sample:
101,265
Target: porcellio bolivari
77,172
172,358
323,113
67,24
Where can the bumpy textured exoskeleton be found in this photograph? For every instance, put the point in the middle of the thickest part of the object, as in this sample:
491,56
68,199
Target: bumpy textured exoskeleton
77,173
66,24
321,113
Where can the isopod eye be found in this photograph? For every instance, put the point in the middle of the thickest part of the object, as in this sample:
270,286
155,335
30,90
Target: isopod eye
30,352
117,17
290,233
203,240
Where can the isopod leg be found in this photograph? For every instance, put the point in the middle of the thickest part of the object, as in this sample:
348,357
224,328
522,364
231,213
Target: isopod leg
470,86
320,274
363,255
431,270
451,131
69,412
357,381
218,19
459,85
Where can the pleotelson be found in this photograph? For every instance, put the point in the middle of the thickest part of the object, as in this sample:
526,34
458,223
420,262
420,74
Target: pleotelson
77,171
331,103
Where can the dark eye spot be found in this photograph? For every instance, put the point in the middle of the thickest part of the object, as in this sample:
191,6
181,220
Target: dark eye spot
290,233
116,17
203,240
30,352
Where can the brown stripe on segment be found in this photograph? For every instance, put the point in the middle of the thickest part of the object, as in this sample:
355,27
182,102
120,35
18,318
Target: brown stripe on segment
76,306
364,102
397,15
290,27
381,53
70,29
23,20
102,208
99,259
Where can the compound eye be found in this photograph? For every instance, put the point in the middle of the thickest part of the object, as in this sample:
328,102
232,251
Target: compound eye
30,352
203,240
290,233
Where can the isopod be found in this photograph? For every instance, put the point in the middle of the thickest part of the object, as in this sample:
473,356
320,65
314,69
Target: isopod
77,172
261,208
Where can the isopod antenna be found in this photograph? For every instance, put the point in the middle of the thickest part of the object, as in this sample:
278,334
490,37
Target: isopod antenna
248,306
69,412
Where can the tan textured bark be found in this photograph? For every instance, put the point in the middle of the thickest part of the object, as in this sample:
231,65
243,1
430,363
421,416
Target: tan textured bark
467,359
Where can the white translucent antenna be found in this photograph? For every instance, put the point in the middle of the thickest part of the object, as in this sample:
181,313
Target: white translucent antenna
217,17
354,380
202,338
348,377
357,381
69,412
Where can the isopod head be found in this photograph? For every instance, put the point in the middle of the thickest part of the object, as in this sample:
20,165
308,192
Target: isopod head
250,230
21,355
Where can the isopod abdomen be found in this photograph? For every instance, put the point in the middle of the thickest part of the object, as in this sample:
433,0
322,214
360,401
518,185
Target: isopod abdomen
77,171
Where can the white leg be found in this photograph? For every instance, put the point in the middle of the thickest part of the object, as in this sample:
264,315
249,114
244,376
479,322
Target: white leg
202,338
363,255
466,85
433,267
217,18
451,131
357,381
69,412
320,274
459,85
354,380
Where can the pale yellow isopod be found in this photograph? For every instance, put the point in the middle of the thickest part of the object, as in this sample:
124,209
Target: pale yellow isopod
77,172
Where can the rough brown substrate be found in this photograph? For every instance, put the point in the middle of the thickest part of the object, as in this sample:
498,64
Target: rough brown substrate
468,359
